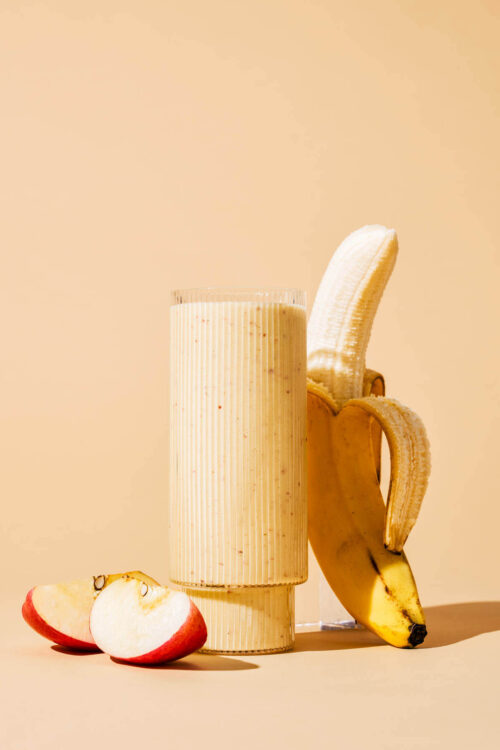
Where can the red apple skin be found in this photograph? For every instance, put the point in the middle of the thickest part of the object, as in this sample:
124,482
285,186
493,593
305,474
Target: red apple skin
190,637
37,623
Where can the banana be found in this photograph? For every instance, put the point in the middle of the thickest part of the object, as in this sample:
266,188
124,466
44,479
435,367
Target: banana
356,537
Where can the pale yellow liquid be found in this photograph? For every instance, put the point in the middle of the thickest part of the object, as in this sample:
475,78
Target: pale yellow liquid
238,489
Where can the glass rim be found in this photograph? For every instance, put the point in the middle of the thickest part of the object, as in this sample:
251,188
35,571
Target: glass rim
283,295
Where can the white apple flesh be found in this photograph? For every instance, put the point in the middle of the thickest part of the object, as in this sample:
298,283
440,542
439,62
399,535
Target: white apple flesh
146,624
61,611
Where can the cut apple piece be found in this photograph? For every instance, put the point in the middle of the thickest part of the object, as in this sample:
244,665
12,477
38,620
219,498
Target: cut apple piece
61,611
146,624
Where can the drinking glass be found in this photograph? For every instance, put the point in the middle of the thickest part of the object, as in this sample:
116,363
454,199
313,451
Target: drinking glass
237,532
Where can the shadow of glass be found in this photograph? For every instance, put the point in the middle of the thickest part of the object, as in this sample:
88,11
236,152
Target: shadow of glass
197,662
335,640
452,623
73,651
446,624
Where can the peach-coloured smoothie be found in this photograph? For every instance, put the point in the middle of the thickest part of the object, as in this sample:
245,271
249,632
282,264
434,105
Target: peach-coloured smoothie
238,503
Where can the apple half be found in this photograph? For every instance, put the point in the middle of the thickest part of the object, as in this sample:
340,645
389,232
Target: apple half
61,611
140,623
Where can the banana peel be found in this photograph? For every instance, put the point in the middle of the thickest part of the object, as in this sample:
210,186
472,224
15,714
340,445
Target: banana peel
347,518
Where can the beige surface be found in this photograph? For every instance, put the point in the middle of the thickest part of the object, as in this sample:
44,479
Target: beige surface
344,690
157,144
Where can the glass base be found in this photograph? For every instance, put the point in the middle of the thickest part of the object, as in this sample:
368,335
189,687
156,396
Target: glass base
308,627
341,625
247,620
317,607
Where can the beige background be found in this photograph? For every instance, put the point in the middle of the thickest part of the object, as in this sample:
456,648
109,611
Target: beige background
146,145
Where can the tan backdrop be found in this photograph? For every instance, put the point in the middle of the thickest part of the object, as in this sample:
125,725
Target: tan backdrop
147,145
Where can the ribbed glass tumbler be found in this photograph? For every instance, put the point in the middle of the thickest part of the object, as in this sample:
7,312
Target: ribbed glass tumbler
237,505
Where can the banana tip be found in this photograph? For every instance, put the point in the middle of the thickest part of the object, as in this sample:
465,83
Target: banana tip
417,635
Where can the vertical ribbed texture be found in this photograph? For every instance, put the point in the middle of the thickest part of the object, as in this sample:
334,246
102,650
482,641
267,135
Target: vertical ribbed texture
247,619
238,407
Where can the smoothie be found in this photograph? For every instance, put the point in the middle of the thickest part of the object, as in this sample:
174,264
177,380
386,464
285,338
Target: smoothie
237,509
